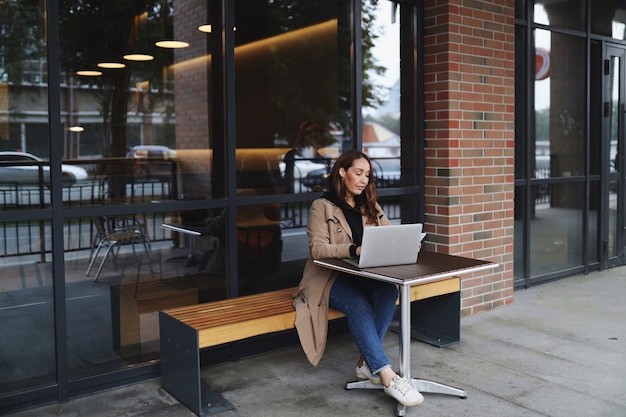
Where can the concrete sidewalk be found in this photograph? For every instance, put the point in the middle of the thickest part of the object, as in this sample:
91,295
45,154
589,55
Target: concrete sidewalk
558,350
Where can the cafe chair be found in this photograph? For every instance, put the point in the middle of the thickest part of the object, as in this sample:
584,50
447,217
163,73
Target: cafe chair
114,232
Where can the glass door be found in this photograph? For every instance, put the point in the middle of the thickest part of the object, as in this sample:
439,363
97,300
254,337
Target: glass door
612,154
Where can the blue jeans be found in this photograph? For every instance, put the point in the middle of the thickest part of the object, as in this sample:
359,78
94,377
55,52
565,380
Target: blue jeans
369,306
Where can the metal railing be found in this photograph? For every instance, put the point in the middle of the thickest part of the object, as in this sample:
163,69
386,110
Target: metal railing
33,237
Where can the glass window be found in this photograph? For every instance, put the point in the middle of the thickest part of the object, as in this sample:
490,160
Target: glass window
136,108
137,114
608,19
145,130
568,14
556,239
381,91
559,118
292,82
24,169
26,282
293,114
122,269
26,307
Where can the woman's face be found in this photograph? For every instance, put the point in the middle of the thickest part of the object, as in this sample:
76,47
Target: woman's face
356,178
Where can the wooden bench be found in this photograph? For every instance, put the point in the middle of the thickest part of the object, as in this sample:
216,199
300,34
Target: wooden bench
184,331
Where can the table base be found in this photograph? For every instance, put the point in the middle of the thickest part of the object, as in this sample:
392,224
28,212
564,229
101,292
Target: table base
422,385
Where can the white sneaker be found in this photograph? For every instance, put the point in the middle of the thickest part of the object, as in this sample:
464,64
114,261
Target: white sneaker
402,390
364,372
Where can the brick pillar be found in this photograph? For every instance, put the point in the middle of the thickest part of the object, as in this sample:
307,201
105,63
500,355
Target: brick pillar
470,118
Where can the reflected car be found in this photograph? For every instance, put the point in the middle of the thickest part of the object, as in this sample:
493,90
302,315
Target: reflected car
302,168
386,173
152,162
29,172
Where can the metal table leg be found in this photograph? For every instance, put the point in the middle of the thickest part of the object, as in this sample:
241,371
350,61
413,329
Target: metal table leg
422,385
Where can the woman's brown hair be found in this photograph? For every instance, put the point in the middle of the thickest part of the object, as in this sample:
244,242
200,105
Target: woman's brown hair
366,201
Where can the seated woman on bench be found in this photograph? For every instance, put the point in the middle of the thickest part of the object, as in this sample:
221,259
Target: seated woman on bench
335,229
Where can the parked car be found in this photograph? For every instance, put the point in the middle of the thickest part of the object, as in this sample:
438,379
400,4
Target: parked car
386,174
28,173
152,162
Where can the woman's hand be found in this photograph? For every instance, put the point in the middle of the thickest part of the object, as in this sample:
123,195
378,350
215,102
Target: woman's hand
358,251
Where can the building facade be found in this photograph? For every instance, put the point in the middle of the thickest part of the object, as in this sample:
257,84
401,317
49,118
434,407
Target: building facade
182,142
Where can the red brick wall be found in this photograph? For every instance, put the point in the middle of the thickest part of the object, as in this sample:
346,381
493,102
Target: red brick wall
469,102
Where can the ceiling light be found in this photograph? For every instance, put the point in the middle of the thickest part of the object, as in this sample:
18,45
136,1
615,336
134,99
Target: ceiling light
77,129
208,28
89,73
171,44
111,65
138,57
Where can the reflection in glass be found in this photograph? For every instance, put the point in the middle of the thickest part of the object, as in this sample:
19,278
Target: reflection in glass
613,223
158,260
608,19
259,246
559,109
136,116
381,110
561,13
556,239
24,170
541,144
614,127
309,158
109,321
292,92
26,308
27,347
614,113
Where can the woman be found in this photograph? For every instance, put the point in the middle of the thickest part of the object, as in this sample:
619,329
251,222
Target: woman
335,230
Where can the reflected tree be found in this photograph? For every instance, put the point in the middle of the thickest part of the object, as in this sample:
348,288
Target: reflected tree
22,54
294,96
96,31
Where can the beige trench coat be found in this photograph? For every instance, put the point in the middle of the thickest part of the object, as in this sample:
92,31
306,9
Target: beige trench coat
329,237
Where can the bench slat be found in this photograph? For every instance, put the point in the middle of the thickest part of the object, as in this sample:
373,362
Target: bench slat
229,320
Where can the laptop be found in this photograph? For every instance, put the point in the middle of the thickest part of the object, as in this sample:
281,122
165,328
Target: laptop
389,245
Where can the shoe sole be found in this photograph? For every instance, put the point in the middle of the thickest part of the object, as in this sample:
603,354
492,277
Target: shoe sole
375,381
407,404
365,378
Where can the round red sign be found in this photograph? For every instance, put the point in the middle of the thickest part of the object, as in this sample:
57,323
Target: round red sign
542,63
